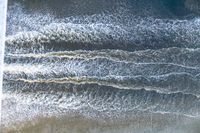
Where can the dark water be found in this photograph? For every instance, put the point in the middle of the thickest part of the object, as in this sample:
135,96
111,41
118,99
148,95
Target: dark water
103,59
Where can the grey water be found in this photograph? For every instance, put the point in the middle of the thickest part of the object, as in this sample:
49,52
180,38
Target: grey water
115,66
3,9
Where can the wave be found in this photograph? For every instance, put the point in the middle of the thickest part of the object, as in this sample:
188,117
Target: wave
148,34
163,83
121,28
188,84
122,69
180,56
106,98
99,67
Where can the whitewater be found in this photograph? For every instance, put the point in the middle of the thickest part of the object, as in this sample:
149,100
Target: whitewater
117,65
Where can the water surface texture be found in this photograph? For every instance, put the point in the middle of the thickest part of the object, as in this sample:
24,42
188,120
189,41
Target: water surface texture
108,66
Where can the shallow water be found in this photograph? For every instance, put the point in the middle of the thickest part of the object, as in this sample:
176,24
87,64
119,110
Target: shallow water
102,66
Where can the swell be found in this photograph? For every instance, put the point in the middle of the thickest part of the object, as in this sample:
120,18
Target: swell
158,70
180,56
163,84
105,98
146,34
99,67
102,11
166,83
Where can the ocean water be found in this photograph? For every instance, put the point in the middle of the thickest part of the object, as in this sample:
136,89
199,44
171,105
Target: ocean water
82,66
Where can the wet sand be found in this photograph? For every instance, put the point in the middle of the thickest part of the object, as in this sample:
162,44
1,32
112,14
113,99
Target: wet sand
76,123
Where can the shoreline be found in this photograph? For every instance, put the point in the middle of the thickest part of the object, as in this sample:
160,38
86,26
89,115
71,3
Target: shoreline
76,123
